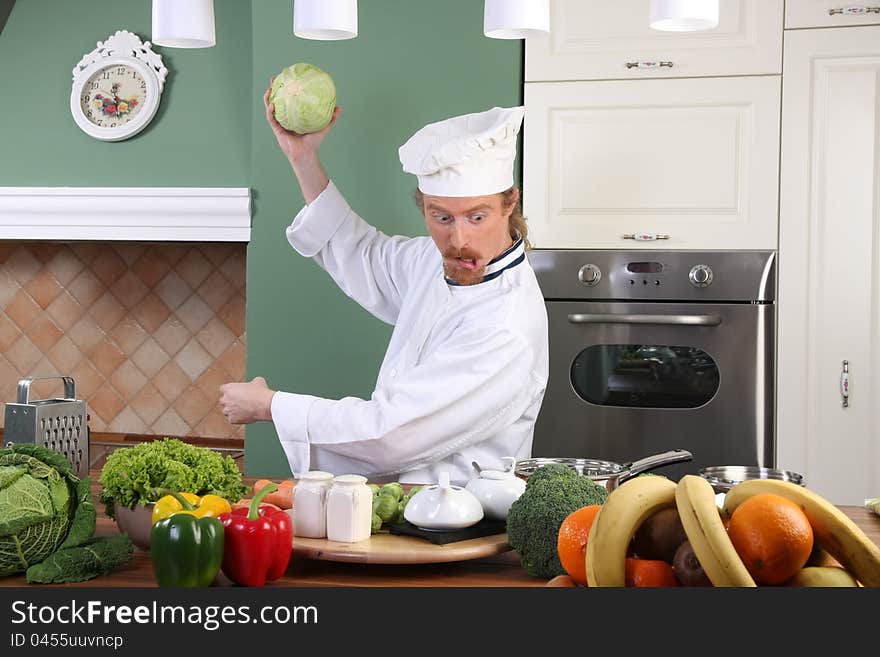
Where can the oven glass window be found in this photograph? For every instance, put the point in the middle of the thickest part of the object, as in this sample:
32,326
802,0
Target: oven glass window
645,376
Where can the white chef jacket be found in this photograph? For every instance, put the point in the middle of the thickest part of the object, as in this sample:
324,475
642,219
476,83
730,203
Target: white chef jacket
464,374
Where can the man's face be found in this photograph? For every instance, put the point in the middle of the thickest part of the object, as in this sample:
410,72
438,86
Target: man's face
469,232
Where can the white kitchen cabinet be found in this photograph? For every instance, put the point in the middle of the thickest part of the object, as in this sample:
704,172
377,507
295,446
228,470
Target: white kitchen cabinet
831,13
829,254
611,39
695,159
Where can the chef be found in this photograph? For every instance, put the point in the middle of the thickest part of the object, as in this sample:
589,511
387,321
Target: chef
465,371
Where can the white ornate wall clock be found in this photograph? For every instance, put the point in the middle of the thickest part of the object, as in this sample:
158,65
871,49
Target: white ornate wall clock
117,87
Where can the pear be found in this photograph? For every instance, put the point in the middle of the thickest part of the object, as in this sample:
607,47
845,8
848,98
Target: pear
825,576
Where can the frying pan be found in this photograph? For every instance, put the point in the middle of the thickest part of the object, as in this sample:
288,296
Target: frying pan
606,473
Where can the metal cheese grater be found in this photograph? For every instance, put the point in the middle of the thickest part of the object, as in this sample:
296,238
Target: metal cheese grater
57,424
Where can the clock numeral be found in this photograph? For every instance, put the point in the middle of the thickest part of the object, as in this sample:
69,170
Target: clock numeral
85,98
120,70
143,85
112,125
89,114
94,85
106,75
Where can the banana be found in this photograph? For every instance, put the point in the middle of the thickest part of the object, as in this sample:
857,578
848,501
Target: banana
834,531
823,576
702,523
623,512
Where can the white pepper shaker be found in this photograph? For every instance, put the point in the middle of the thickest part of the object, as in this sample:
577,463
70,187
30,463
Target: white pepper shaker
349,509
310,504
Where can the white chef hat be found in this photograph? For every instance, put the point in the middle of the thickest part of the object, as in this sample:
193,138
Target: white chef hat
469,155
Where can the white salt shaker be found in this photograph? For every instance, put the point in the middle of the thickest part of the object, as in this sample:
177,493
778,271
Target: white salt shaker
349,509
310,504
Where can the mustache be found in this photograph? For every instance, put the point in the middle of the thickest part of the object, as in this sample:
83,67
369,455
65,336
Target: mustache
461,253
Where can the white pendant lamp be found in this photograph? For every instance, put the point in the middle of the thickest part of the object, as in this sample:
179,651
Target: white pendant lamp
516,19
325,20
684,15
183,23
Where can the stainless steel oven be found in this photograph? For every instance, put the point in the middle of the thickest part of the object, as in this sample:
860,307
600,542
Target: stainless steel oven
656,350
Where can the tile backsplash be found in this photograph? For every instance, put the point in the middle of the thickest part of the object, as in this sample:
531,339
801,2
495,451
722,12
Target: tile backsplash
148,331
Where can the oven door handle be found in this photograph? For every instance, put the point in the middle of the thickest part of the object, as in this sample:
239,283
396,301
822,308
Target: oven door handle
669,320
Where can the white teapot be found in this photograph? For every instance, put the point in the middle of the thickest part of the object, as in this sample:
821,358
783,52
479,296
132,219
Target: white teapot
497,489
443,506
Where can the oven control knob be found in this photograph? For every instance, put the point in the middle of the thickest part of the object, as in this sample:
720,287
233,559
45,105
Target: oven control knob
590,275
701,275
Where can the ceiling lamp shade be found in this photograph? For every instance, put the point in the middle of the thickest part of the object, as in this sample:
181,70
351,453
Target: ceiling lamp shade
325,20
516,19
684,15
183,23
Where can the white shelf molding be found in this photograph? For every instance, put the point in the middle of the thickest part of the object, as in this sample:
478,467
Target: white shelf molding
148,214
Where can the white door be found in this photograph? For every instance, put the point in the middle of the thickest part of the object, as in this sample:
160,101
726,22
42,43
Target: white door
606,39
696,160
829,255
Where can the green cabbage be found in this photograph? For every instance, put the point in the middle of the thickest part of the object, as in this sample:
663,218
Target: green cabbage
44,506
304,97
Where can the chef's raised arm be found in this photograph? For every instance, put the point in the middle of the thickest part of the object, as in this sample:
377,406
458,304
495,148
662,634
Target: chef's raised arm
369,266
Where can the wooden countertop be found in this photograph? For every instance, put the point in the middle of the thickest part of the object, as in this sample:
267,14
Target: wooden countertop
499,571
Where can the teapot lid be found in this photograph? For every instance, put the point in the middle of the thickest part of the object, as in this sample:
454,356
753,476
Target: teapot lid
495,475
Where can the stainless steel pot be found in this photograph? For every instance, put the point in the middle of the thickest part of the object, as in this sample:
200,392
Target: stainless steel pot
725,477
606,473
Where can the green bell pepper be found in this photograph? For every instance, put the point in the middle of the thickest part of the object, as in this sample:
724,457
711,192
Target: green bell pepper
186,550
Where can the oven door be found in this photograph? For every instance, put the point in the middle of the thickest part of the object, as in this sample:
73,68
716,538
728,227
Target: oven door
632,379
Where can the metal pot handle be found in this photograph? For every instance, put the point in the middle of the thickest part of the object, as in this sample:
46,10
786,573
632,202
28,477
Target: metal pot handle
655,461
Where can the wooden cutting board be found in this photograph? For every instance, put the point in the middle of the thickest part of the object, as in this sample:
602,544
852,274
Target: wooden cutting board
386,548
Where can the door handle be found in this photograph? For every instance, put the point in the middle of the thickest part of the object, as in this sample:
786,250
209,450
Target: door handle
669,320
844,384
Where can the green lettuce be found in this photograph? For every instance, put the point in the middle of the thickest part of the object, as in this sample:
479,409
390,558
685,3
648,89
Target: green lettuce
134,475
304,97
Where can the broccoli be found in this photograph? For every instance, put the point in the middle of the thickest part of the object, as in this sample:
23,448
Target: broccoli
534,519
552,471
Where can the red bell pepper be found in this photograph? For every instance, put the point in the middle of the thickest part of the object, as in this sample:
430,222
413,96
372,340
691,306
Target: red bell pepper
258,542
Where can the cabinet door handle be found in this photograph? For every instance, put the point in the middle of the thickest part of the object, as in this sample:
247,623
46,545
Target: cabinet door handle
647,63
854,10
644,237
844,384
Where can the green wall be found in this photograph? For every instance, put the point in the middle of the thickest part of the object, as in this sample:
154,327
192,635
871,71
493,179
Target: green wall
412,63
200,137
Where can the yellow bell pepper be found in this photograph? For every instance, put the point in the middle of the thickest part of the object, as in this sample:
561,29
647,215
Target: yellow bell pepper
200,507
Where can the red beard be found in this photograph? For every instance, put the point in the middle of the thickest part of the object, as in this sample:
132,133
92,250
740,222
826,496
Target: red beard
458,273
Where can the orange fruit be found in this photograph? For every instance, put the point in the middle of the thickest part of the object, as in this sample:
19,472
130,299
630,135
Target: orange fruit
571,544
772,536
649,572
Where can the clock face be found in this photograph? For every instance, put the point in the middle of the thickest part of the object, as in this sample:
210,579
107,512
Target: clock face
113,96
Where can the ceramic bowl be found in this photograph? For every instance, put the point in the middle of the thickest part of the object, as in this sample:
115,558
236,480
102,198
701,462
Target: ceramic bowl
136,522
